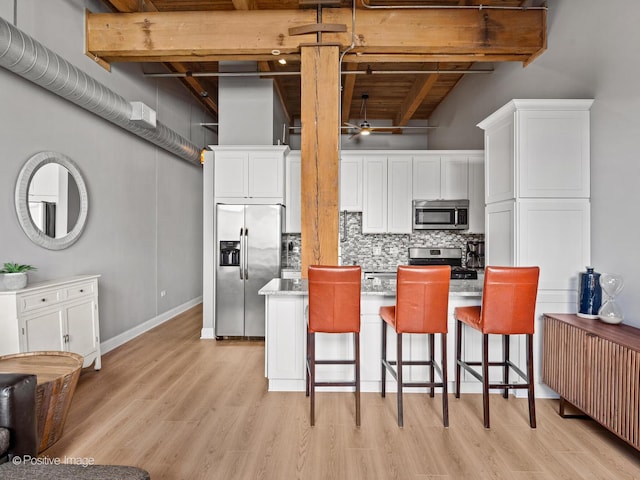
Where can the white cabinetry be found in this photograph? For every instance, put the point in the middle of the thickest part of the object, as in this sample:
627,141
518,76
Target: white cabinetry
293,193
55,315
537,197
350,183
443,174
249,174
476,193
387,194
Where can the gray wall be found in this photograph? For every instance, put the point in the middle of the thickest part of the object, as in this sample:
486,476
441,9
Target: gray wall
592,53
144,231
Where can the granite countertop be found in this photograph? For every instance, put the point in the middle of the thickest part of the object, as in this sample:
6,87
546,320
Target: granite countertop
279,286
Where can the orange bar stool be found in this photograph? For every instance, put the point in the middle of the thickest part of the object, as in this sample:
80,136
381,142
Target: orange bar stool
422,300
508,308
334,307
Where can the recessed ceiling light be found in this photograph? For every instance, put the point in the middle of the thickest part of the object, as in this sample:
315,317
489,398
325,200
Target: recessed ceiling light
282,61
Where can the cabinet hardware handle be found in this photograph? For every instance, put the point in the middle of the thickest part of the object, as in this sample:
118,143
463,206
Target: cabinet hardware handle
82,290
43,299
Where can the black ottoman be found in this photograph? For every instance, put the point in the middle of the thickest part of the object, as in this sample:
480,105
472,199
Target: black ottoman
9,471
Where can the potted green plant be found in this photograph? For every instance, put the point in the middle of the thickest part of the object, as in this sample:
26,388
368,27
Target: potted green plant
15,275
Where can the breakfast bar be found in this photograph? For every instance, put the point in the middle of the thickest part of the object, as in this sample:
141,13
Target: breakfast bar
285,345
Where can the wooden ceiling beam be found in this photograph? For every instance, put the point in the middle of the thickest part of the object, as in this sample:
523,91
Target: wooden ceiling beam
445,34
421,87
245,4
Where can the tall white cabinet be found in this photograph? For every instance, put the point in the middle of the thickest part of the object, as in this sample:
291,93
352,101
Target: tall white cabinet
537,164
59,315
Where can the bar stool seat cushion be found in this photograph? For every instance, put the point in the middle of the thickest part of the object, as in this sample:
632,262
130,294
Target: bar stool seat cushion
469,315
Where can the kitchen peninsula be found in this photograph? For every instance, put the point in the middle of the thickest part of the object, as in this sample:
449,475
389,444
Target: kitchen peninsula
285,345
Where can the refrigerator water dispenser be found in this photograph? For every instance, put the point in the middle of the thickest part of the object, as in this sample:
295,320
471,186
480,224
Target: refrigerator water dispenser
229,253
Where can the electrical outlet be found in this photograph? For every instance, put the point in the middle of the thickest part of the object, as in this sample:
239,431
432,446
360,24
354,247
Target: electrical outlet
377,250
393,250
163,293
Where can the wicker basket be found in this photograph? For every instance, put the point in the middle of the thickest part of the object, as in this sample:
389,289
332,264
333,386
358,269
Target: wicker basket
58,374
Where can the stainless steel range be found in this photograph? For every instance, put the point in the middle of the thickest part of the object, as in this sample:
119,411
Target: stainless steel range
442,256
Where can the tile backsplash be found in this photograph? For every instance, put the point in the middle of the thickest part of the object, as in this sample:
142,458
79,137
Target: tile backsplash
357,248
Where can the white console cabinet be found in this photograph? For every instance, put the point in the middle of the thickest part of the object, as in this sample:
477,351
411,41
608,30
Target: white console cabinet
59,315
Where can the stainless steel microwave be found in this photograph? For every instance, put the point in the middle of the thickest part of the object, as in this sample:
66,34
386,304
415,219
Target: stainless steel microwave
440,214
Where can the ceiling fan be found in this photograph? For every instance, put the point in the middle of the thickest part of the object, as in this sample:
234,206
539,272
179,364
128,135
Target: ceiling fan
365,128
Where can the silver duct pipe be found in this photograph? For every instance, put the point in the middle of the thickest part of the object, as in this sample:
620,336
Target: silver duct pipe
30,59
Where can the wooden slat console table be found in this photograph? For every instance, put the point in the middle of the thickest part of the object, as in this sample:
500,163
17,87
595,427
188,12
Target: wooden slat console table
595,367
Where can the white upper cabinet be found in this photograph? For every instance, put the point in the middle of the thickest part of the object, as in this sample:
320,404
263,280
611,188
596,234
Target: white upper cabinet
246,172
374,194
399,193
426,177
293,193
442,174
350,183
454,177
538,149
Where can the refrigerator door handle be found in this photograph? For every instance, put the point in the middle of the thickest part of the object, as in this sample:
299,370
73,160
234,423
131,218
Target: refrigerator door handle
246,254
241,254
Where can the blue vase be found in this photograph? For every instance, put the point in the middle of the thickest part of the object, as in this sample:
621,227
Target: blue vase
589,294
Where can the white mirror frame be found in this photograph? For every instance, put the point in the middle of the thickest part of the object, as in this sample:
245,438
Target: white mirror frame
22,201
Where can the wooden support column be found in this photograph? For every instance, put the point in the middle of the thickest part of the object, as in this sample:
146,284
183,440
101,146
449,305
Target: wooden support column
320,70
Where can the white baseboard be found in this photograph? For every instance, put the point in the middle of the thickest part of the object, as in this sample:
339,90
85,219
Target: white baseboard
132,333
207,334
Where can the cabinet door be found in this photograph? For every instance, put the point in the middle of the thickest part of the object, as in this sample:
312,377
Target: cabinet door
292,193
426,177
374,207
81,327
351,184
500,233
286,338
542,225
399,194
266,175
454,180
553,153
231,174
476,194
500,162
44,330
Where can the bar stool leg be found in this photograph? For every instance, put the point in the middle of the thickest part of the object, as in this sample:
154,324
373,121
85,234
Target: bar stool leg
307,367
356,339
505,360
312,377
485,378
458,355
432,371
445,398
399,374
383,387
531,393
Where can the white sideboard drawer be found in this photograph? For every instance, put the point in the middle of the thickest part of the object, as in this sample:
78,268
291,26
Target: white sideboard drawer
40,300
80,290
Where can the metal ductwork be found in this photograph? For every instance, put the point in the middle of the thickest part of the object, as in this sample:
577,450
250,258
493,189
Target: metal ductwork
30,59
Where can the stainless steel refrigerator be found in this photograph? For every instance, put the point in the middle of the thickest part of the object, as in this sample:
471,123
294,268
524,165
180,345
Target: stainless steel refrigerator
248,243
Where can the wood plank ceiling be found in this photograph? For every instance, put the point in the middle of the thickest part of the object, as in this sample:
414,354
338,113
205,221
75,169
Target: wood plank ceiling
441,38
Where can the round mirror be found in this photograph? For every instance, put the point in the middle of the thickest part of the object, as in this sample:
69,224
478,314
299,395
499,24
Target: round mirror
51,200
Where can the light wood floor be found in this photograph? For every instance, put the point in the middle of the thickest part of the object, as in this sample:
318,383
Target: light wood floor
185,408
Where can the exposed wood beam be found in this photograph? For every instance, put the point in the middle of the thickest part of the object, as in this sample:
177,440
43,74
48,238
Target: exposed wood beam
320,120
245,4
266,67
421,87
445,34
196,87
348,84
